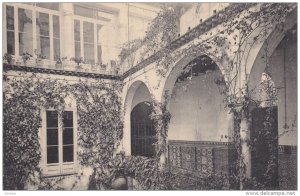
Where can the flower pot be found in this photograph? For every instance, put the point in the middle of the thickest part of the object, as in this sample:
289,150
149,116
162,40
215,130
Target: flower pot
119,183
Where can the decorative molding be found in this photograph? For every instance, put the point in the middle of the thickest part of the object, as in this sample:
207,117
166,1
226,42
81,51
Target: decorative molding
209,143
7,67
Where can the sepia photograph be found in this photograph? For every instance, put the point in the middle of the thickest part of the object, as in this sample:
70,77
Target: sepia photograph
144,96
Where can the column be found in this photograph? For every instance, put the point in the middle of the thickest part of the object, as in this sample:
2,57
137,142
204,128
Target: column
67,31
245,138
123,28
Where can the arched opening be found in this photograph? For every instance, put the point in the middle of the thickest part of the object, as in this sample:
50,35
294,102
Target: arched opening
137,123
142,131
196,105
199,129
276,93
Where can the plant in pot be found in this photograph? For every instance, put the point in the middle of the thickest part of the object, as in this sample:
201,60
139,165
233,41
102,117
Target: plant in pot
78,61
119,181
9,59
103,67
26,57
39,59
95,66
59,62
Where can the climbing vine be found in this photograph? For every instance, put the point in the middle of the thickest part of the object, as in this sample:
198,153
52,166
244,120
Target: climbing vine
234,40
161,118
100,124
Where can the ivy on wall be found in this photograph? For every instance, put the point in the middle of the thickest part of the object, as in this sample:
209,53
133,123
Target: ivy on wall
100,124
228,46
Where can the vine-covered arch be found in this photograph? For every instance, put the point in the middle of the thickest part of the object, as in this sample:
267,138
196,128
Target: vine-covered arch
256,65
172,75
137,92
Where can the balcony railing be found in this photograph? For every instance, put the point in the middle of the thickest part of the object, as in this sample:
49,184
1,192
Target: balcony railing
67,67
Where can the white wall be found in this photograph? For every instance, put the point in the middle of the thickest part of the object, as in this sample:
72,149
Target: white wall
200,11
197,110
277,75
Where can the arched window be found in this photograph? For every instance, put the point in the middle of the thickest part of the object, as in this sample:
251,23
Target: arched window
142,131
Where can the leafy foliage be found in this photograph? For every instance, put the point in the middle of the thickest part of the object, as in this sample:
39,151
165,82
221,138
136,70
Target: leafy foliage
99,123
228,46
161,118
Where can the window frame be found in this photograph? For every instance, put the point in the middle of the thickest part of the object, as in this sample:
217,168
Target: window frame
95,22
60,168
34,9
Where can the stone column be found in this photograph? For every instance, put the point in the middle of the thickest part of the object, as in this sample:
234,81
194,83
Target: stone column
245,138
67,31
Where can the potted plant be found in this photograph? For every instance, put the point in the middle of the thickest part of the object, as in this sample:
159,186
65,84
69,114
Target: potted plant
95,66
78,61
26,57
9,59
103,68
117,70
119,182
59,62
86,64
39,59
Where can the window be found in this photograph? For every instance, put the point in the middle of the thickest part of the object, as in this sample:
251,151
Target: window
87,25
59,136
56,36
88,40
99,48
77,38
43,34
85,41
25,31
10,30
33,26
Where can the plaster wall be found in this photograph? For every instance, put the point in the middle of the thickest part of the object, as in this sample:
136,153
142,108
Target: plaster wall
191,18
277,75
197,110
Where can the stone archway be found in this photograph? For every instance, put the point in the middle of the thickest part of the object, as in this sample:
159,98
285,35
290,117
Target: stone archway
200,124
138,92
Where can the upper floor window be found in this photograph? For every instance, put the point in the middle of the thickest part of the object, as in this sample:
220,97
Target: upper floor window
30,27
87,41
10,29
87,34
25,31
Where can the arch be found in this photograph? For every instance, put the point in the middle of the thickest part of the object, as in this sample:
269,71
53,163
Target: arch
172,75
137,92
255,66
136,86
195,115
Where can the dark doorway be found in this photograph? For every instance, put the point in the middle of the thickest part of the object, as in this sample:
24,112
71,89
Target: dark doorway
264,135
142,131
